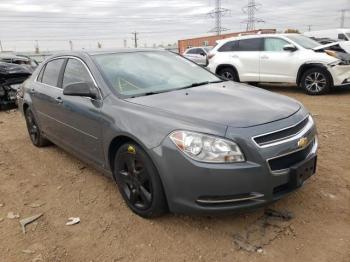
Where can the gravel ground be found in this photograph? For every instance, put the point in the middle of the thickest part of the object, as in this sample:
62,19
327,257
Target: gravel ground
54,183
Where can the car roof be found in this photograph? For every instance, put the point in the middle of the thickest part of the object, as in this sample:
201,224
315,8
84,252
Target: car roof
103,52
254,36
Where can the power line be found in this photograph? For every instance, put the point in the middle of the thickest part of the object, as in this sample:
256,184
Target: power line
250,10
218,13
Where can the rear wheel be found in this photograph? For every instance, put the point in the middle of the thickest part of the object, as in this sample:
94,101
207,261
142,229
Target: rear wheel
138,181
34,131
229,74
316,81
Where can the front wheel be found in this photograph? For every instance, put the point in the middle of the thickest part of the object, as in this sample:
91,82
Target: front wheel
229,74
138,181
316,81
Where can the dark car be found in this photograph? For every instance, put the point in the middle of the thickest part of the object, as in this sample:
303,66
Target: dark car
173,135
22,60
11,77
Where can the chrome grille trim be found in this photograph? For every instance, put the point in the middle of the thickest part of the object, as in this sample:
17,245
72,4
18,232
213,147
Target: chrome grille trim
286,139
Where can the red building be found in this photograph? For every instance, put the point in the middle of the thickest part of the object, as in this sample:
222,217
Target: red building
211,40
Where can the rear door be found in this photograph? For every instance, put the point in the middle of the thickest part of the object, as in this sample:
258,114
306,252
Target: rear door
276,64
244,55
44,95
81,116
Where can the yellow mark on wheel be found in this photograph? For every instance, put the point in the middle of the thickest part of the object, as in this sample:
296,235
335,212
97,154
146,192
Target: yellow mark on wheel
131,150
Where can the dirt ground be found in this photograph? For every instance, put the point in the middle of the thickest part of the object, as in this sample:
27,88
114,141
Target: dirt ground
54,183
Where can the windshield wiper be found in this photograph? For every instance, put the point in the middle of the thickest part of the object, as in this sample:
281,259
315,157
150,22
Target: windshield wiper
185,87
200,84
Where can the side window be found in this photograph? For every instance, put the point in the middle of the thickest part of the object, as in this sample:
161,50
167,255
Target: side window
75,72
229,47
274,44
52,71
199,51
342,37
191,52
253,44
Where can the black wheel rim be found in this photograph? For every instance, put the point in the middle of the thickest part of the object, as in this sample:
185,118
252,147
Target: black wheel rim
32,127
135,180
315,82
228,75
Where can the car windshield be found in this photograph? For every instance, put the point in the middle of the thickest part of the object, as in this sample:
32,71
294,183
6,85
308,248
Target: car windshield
304,41
144,73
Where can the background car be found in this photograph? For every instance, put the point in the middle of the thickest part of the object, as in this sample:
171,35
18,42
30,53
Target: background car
198,54
11,77
22,60
338,34
281,58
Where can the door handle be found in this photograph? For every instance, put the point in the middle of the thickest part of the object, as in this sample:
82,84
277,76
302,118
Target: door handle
264,57
59,100
235,56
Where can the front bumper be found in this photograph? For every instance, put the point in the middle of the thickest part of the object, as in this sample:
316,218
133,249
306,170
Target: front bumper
340,75
194,187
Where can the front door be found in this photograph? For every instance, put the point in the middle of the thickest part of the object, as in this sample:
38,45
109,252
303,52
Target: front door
276,64
81,116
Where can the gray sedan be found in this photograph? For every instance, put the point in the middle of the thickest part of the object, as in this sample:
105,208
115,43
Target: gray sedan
171,134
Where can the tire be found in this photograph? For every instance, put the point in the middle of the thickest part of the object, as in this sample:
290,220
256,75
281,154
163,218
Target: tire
34,131
316,81
229,74
138,181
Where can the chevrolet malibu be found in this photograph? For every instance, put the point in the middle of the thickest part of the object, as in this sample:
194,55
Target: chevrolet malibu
173,136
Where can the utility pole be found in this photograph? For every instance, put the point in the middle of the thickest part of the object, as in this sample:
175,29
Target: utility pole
36,47
135,39
250,10
125,43
309,27
1,46
71,45
342,17
218,13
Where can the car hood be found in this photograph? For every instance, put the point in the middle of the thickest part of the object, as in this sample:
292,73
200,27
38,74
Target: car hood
227,103
344,46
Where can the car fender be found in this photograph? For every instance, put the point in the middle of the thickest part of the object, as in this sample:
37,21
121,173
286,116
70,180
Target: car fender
311,64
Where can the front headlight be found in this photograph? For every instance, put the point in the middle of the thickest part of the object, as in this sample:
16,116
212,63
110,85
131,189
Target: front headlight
206,148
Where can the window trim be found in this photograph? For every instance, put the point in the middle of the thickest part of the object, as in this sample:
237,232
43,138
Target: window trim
66,57
44,68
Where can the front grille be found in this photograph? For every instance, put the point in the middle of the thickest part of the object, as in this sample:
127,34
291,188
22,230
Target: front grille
282,134
286,161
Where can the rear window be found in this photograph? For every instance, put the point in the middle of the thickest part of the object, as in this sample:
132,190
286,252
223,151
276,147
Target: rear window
52,71
254,44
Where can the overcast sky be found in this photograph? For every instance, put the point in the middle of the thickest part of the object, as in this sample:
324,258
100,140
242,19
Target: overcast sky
54,22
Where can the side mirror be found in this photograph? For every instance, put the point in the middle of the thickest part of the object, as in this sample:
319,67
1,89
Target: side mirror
81,89
202,54
290,48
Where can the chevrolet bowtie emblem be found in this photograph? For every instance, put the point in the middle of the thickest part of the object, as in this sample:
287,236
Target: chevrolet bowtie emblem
303,142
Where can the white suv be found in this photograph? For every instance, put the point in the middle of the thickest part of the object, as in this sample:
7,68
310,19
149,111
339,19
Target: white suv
287,58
